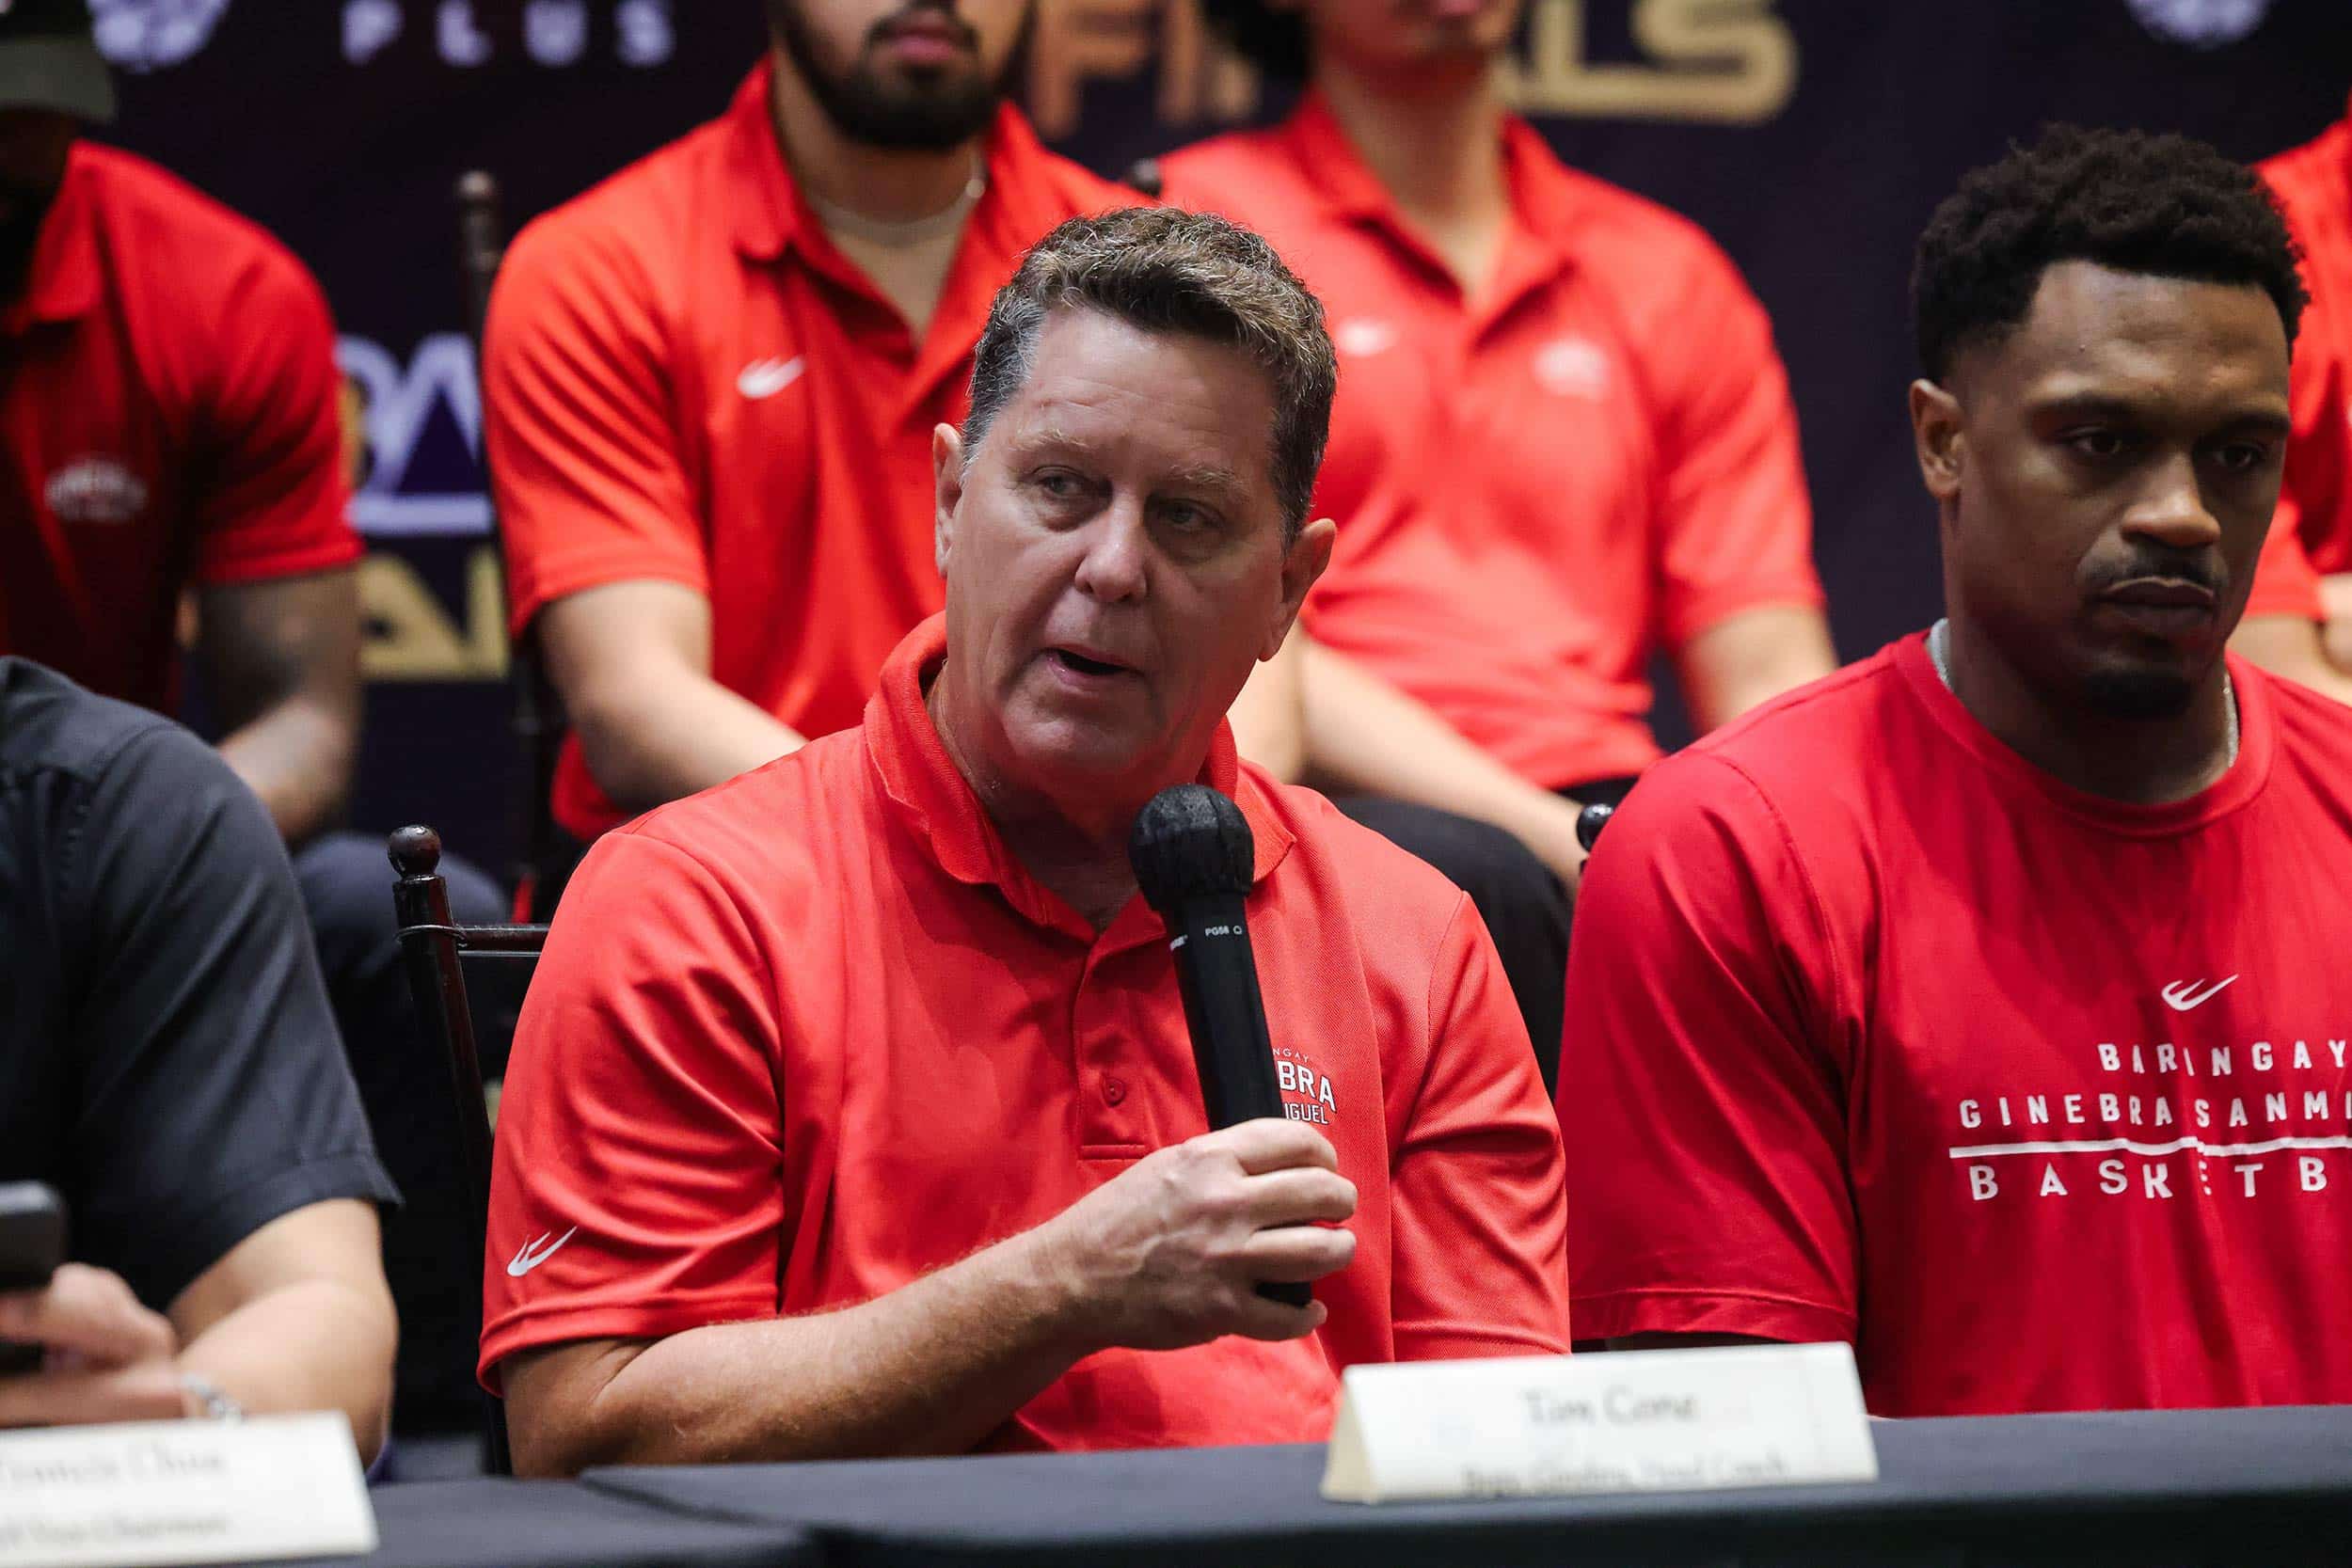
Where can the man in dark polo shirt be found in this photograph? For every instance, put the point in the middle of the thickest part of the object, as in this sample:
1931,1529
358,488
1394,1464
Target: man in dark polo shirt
168,1063
168,424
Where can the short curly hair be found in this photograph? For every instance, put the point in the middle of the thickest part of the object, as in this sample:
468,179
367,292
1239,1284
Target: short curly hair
2167,205
1167,270
1274,42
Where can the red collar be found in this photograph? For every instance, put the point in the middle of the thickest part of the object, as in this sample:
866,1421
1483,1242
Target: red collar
62,282
1546,197
939,810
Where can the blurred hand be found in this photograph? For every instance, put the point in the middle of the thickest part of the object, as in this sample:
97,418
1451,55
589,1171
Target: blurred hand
108,1358
1556,845
1171,1252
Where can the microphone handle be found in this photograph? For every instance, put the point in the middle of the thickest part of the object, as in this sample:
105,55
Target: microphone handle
1226,1014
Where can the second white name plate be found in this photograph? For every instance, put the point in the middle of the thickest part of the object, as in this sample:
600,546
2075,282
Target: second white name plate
182,1492
1626,1421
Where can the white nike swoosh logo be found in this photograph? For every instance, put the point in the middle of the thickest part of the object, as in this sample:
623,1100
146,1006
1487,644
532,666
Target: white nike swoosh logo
765,378
2181,995
533,1254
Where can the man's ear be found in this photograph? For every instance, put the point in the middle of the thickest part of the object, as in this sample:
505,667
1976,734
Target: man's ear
1937,437
1302,564
946,491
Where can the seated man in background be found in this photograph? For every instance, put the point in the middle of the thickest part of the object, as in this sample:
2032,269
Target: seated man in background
710,385
853,1110
1984,1004
169,411
171,1067
1563,440
2299,621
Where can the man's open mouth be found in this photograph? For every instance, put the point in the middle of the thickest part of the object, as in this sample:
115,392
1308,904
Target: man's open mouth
1086,665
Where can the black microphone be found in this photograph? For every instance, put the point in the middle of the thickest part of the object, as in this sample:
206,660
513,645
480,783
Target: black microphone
1191,854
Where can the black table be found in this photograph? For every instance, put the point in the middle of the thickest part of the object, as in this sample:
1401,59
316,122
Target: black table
548,1524
2247,1486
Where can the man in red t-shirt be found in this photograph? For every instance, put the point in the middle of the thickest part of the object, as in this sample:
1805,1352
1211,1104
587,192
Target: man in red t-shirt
2299,621
854,1109
169,420
1985,1004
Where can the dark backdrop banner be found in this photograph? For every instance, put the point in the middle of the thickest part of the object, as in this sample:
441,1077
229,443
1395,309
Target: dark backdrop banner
1810,136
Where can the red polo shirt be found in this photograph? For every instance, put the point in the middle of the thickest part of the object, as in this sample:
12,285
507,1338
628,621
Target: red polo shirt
685,380
2312,532
1882,1034
802,1037
1538,485
168,410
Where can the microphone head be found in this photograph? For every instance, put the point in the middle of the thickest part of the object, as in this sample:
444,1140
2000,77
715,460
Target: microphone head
1190,839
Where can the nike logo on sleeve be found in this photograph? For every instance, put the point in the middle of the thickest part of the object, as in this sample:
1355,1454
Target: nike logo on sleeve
533,1253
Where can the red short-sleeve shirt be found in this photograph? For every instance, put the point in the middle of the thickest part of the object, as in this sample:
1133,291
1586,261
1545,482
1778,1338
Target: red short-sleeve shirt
168,413
1880,1034
802,1037
1538,487
685,380
2312,532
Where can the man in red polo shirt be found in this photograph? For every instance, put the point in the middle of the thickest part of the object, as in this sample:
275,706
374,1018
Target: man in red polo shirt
854,1109
709,384
2299,623
1985,1004
168,405
1562,439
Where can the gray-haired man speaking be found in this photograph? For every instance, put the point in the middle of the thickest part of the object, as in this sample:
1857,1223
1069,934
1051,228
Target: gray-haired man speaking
853,1110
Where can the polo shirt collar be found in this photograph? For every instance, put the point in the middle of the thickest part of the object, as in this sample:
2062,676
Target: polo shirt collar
922,787
62,282
1544,194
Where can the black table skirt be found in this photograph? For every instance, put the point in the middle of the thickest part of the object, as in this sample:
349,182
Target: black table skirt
2247,1486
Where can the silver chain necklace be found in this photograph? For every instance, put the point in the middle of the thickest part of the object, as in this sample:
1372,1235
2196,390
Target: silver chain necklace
1940,655
841,220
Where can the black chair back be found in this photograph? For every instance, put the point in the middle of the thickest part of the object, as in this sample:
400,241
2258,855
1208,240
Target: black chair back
546,853
435,950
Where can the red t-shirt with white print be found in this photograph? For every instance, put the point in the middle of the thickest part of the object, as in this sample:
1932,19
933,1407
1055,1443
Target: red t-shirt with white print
1880,1034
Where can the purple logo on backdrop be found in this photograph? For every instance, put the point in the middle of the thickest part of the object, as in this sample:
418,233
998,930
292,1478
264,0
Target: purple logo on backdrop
144,34
424,436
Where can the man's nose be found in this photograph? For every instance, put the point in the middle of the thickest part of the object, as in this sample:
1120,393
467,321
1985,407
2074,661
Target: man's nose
2171,510
1118,549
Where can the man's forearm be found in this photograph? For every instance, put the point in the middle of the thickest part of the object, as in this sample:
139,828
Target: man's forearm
1363,733
297,757
931,1367
659,740
310,1344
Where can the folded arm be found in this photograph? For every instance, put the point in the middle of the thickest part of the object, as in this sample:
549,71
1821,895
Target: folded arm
1364,734
280,659
632,662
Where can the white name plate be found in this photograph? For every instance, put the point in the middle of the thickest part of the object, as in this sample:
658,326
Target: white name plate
1631,1421
182,1492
